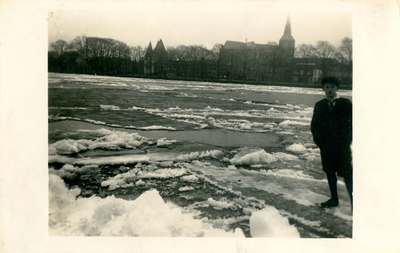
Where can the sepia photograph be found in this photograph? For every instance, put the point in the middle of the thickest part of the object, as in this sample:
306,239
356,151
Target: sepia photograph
202,139
201,126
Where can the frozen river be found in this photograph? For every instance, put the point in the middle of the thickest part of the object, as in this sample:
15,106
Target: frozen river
144,157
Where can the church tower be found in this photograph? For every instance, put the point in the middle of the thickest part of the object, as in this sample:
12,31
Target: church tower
287,41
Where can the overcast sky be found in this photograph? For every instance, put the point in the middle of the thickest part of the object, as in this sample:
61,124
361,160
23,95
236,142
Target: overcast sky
197,23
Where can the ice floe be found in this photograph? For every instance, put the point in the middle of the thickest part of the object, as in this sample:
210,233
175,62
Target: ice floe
295,174
124,179
211,115
186,188
285,157
165,142
111,140
123,159
248,156
268,222
157,128
70,172
217,154
147,216
110,107
291,122
221,204
190,178
297,148
285,133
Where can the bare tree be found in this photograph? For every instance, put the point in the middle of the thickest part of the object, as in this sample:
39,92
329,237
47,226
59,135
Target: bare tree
173,53
216,57
305,51
137,53
324,50
204,55
182,52
59,46
79,44
339,57
137,57
194,55
275,59
347,48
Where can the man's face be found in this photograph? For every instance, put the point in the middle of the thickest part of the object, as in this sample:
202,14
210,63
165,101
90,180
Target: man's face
330,90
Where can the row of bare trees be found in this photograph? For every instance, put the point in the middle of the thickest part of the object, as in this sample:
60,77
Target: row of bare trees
323,50
93,55
195,61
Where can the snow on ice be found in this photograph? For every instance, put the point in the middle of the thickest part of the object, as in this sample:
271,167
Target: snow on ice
285,157
111,140
219,204
148,215
297,148
249,156
125,179
217,154
126,159
268,222
165,142
186,188
285,133
295,174
203,117
110,107
258,156
157,128
190,178
291,122
70,172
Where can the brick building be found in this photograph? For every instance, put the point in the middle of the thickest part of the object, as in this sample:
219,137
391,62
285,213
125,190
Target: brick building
259,62
248,61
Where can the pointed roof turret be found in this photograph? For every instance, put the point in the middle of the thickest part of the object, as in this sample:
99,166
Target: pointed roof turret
149,50
159,50
287,35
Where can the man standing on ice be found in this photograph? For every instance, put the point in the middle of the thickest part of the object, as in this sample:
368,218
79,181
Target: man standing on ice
332,131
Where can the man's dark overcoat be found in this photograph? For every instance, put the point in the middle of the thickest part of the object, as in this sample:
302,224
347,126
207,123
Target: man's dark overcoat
332,131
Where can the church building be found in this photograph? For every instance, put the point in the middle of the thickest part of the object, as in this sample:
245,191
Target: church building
259,62
246,61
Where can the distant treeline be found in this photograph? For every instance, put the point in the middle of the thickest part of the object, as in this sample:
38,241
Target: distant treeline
91,55
105,56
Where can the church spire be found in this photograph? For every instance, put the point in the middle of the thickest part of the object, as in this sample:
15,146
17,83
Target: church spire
288,29
287,35
287,41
